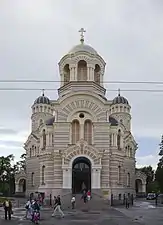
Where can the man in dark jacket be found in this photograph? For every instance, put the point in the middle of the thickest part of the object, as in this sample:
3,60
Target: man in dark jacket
8,209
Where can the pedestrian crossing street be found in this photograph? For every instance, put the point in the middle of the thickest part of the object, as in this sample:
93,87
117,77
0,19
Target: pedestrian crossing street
18,213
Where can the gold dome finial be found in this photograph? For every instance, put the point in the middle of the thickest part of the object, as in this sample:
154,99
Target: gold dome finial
82,31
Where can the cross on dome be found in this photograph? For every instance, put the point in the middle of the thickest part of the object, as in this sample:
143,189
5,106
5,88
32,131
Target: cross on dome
82,31
119,92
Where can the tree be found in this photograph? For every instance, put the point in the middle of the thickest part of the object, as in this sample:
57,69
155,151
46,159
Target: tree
7,174
21,165
159,171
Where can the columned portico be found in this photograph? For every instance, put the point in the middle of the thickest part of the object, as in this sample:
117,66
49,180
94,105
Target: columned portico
81,151
95,175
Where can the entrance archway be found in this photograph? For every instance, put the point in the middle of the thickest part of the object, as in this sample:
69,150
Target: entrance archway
22,185
81,175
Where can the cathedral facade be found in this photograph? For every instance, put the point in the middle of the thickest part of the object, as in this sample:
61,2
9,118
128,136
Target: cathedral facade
82,140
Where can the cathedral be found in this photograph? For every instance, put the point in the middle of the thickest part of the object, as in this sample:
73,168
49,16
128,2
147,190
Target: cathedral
82,140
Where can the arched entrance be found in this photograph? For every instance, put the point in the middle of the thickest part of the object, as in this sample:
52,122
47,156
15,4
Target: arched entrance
138,186
22,185
81,175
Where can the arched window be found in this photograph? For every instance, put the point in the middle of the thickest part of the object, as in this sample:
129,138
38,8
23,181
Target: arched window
88,131
128,179
97,74
119,174
43,175
32,178
119,139
41,121
33,150
75,131
82,70
44,139
66,72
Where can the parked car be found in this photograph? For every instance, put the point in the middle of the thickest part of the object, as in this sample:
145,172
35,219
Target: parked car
151,196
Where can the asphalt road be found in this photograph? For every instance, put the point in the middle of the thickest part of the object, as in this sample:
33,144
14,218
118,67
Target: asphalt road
142,212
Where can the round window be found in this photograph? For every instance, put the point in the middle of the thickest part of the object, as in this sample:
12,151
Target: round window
81,115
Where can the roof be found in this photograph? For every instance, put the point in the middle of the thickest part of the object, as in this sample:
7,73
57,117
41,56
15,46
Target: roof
120,100
42,100
50,121
113,121
83,48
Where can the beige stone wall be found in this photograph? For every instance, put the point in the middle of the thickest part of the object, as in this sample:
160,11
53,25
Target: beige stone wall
32,167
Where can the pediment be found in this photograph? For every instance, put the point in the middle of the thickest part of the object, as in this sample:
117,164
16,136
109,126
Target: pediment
31,139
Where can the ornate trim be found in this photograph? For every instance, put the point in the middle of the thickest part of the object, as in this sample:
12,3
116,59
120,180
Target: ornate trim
81,148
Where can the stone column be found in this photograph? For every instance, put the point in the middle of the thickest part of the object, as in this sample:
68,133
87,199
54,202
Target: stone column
75,73
143,188
96,178
81,131
67,178
62,79
72,73
121,142
92,74
88,72
16,187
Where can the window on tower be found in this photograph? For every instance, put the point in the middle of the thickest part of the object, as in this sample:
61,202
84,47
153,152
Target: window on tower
43,175
75,131
119,139
88,131
44,139
82,70
32,178
128,180
66,72
97,74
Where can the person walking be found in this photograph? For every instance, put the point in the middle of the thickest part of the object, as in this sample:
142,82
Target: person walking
58,207
73,202
84,196
8,209
28,209
127,202
88,195
54,204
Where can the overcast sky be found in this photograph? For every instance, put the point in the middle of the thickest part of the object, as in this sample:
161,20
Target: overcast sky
35,34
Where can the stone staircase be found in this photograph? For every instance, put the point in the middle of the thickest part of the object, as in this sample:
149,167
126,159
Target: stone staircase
95,204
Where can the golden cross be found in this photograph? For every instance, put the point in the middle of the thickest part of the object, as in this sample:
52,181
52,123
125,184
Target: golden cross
82,31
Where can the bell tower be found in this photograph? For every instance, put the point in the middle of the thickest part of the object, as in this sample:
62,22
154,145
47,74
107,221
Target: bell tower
81,69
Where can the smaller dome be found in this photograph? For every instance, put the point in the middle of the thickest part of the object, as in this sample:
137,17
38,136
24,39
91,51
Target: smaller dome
82,48
42,100
120,100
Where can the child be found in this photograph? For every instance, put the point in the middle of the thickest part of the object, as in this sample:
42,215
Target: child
73,202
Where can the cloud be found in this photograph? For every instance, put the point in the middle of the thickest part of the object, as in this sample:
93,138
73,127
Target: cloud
11,143
147,160
5,131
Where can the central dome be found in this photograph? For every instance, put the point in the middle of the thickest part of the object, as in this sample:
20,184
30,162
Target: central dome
83,48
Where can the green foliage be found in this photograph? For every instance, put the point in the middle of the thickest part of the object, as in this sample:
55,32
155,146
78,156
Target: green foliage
7,173
159,171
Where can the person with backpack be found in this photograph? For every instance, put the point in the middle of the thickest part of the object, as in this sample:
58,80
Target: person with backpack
28,209
8,209
35,209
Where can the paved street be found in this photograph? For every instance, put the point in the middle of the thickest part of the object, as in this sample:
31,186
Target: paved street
111,217
141,213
